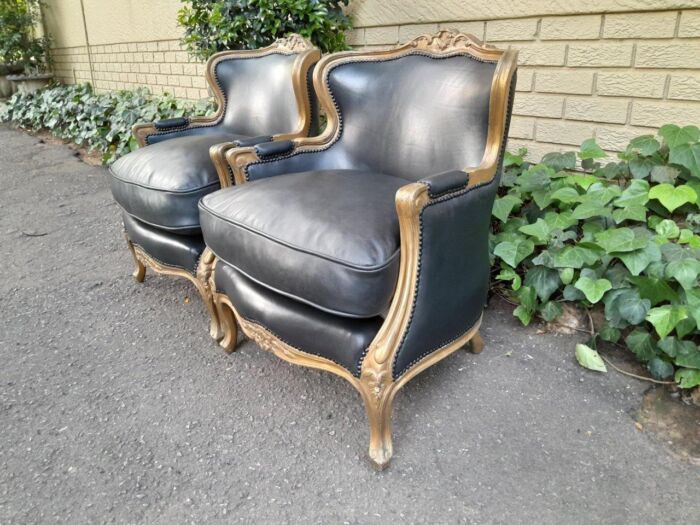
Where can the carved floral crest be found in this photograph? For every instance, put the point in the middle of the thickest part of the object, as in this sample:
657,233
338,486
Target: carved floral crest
448,40
294,43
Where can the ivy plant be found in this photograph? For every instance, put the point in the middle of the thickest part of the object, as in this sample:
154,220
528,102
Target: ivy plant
98,121
218,25
620,236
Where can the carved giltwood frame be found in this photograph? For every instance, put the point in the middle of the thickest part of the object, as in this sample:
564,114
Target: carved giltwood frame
376,384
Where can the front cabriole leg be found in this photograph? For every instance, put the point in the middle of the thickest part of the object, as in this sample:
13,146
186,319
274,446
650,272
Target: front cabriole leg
377,389
140,270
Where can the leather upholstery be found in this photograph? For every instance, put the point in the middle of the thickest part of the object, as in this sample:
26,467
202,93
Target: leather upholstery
326,238
339,339
453,272
407,117
446,181
259,95
176,122
162,184
181,251
244,143
273,149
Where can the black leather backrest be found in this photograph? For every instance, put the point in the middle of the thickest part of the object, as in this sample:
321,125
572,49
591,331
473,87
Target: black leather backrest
413,115
259,94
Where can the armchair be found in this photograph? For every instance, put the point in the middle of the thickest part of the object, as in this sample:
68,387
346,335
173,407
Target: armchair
262,95
364,251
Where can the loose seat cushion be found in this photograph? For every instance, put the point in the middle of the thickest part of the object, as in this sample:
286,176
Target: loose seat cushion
340,339
326,238
161,184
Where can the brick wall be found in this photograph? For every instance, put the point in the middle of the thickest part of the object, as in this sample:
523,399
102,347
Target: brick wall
608,76
160,66
611,76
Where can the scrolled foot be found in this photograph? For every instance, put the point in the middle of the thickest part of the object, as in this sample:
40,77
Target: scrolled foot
476,344
228,326
140,269
380,457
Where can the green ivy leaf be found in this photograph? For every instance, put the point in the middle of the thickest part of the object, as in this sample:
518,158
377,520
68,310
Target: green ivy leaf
688,355
646,145
590,209
589,358
677,136
672,347
656,290
544,281
636,194
671,197
593,289
503,206
665,318
692,298
566,195
560,221
591,150
631,213
685,271
574,257
513,252
509,274
642,344
659,368
566,275
528,303
535,178
685,236
551,310
626,304
664,174
619,240
540,230
560,161
687,378
687,155
668,229
609,333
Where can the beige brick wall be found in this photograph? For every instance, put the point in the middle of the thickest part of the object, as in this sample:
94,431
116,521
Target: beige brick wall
161,67
610,76
605,69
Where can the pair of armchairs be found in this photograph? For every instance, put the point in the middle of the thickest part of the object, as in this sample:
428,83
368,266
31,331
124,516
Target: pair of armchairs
363,250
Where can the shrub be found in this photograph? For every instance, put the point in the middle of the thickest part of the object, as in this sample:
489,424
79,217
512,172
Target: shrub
218,25
621,236
18,43
98,121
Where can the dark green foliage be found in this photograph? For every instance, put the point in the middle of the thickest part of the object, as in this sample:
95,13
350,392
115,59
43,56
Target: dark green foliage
219,25
18,42
98,121
623,235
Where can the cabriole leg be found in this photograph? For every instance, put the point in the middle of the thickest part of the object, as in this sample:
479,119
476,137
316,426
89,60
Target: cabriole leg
140,270
476,344
377,394
228,325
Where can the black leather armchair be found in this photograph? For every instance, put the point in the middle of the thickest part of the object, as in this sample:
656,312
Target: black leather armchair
262,95
363,251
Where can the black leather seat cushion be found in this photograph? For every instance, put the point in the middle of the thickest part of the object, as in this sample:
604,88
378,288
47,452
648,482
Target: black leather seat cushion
327,238
342,340
161,184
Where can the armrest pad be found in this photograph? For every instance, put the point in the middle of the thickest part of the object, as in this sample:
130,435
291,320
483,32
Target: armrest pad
252,141
445,182
272,149
169,123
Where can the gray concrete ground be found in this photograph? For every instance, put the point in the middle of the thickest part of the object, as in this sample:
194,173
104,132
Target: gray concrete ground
116,406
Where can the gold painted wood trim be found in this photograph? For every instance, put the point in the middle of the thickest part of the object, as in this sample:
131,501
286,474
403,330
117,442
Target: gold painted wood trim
200,280
291,44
